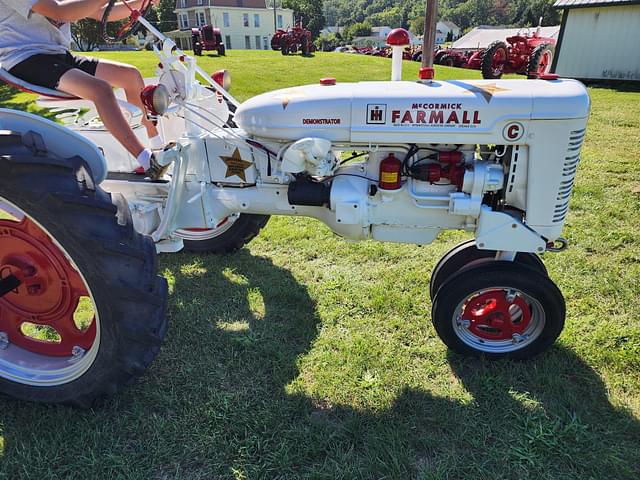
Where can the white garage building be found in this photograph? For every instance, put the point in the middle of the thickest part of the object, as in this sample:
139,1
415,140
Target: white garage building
599,40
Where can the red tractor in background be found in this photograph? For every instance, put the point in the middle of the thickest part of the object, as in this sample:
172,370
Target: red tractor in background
529,55
293,40
207,38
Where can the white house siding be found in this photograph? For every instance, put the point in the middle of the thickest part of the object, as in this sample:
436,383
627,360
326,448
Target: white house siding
601,43
236,35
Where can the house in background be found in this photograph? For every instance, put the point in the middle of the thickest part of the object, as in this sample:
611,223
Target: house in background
245,24
599,40
445,27
378,38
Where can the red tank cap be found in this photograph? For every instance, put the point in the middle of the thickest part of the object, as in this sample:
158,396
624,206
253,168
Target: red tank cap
427,73
398,38
328,82
549,76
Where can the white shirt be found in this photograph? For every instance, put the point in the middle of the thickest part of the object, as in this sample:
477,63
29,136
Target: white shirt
24,33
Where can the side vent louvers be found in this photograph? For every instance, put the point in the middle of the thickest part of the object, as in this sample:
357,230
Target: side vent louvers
569,171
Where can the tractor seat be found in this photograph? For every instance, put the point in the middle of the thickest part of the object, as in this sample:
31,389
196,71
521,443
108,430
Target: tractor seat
9,79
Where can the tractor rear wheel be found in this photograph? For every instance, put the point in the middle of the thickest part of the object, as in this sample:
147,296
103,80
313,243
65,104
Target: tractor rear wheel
306,47
233,233
494,60
499,310
448,61
540,61
466,255
222,50
284,49
82,310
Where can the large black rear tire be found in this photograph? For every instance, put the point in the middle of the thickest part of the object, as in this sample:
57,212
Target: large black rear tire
540,61
94,232
494,60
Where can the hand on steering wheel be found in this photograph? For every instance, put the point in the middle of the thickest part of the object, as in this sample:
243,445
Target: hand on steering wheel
130,27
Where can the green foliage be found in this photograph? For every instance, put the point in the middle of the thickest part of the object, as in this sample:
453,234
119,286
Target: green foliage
361,29
167,19
465,13
328,42
309,12
87,33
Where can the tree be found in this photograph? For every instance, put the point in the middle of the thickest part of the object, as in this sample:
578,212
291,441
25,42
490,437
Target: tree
86,34
168,19
309,12
362,29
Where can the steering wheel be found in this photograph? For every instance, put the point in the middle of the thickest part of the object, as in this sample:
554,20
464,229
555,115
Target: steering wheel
128,28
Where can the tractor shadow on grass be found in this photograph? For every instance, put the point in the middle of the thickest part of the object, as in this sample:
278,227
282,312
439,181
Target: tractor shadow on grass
217,404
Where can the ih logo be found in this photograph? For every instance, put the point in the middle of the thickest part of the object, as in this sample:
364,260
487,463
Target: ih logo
376,114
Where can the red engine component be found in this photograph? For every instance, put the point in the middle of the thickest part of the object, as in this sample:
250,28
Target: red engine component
390,173
450,166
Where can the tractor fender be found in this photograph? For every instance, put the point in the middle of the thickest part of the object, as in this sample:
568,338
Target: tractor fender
57,139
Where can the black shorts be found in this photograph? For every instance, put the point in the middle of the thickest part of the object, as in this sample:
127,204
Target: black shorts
46,70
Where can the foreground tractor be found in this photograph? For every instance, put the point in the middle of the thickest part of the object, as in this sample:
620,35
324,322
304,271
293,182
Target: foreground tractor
530,55
391,161
293,40
207,38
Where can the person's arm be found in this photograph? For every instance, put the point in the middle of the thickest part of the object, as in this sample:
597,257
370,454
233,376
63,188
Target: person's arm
67,10
118,12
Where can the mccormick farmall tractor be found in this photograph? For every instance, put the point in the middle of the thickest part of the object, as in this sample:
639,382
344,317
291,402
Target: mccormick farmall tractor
81,307
293,40
207,38
529,55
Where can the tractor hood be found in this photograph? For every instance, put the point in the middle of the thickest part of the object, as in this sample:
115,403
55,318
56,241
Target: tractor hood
387,112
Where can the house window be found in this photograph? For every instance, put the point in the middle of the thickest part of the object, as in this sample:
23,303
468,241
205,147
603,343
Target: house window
245,19
256,20
199,2
200,19
280,21
184,21
183,3
258,42
247,42
227,41
225,19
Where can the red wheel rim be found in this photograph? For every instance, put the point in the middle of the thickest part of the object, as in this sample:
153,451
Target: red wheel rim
496,315
49,295
498,61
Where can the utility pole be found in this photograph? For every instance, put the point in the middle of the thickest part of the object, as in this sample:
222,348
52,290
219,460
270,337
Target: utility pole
429,40
275,17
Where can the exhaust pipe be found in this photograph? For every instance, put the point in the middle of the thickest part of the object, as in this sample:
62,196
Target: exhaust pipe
430,23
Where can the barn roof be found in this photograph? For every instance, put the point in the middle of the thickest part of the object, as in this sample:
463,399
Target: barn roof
592,3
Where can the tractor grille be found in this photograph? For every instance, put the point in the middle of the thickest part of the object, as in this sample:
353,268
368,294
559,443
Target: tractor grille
569,170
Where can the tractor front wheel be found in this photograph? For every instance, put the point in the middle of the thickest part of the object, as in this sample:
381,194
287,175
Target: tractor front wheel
229,236
82,310
222,50
466,255
540,61
499,310
284,49
494,60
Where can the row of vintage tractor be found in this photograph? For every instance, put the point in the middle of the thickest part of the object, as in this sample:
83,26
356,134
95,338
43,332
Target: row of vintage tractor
530,55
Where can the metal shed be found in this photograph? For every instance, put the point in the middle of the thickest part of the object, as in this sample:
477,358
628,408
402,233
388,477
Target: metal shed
599,40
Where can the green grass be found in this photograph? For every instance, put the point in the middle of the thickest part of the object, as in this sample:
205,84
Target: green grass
305,356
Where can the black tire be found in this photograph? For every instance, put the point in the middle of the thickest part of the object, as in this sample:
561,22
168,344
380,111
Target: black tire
488,72
448,61
222,50
305,48
118,266
283,46
245,229
197,50
534,292
466,255
537,57
417,56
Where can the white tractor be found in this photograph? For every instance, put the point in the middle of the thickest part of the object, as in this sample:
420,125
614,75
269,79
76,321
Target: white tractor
396,161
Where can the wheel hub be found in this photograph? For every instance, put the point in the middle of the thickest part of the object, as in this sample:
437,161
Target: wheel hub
497,315
49,292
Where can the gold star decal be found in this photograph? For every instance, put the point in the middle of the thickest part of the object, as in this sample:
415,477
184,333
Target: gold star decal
487,90
236,166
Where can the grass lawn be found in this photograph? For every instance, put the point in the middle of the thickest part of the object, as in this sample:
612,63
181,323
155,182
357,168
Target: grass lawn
304,356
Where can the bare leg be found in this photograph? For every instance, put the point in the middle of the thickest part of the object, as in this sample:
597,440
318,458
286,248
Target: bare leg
101,94
125,76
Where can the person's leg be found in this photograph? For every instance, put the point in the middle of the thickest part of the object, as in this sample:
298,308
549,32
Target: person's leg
83,85
127,77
